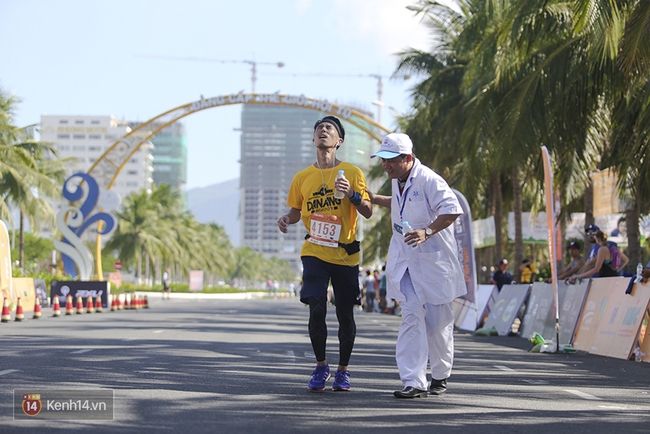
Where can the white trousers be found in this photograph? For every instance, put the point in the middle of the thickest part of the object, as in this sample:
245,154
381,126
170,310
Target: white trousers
426,334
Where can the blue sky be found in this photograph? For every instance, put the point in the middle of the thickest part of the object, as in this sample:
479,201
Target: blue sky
80,57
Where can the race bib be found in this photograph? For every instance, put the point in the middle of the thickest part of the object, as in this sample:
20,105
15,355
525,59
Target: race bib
324,230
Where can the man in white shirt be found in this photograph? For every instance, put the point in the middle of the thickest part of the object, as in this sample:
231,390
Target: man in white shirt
423,271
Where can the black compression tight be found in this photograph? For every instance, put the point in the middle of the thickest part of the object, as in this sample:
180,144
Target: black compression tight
318,328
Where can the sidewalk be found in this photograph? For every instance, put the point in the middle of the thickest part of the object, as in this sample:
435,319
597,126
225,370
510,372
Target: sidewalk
204,296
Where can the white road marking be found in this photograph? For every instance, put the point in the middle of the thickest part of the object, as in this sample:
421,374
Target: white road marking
535,381
158,331
9,371
82,351
504,368
582,394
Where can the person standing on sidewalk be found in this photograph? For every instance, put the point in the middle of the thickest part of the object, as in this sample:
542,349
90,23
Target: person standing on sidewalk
167,279
331,251
423,271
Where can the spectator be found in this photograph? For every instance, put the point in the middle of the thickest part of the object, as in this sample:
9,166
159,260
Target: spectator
528,270
577,261
602,265
502,276
166,279
371,294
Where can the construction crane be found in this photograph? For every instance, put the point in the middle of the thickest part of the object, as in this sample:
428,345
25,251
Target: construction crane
380,84
253,63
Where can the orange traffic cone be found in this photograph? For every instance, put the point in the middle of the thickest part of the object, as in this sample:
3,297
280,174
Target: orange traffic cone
119,301
68,305
80,305
98,304
56,307
90,307
37,308
127,301
113,303
6,314
146,302
20,315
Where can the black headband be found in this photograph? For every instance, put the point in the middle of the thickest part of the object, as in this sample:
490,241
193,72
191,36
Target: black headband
333,121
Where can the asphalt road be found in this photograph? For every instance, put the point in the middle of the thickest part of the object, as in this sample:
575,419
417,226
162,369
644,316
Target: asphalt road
222,366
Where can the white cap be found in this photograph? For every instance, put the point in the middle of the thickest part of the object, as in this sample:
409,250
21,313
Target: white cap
394,145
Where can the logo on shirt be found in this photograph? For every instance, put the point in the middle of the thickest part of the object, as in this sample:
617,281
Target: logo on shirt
322,200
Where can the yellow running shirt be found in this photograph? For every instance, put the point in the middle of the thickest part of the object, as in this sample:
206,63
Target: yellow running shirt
312,191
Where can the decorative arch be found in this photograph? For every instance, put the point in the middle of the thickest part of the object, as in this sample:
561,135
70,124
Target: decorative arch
109,165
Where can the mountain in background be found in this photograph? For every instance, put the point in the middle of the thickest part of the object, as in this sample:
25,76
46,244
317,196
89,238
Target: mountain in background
217,203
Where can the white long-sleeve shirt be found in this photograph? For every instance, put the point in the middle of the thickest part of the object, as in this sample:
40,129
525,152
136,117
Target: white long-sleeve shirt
433,265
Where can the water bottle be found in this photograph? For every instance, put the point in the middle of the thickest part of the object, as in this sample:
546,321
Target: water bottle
638,354
639,270
337,193
406,227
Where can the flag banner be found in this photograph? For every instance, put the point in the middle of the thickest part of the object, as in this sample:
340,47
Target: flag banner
551,220
463,233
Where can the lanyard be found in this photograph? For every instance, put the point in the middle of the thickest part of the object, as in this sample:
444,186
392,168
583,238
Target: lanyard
401,203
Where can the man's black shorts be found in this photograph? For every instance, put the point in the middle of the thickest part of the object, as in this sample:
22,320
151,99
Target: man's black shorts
316,277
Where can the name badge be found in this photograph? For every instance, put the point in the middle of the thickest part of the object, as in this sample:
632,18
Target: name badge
324,230
398,228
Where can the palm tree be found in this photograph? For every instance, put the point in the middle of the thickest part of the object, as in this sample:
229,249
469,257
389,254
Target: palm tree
141,231
29,172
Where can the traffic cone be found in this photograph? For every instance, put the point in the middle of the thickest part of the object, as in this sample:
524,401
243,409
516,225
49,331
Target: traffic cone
6,314
98,304
37,308
146,302
68,305
80,305
118,302
20,315
90,308
113,303
56,307
127,301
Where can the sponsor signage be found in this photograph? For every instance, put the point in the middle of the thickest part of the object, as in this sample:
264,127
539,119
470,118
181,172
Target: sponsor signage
76,288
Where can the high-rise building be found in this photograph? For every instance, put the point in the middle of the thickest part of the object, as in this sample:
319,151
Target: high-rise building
276,143
169,156
87,137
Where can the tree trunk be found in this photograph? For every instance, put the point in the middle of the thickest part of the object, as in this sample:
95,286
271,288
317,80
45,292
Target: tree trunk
517,205
139,267
498,216
589,214
633,238
21,242
147,267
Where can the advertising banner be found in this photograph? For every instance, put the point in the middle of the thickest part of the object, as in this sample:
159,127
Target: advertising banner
570,308
76,288
621,320
592,313
484,232
196,280
506,308
24,289
540,314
